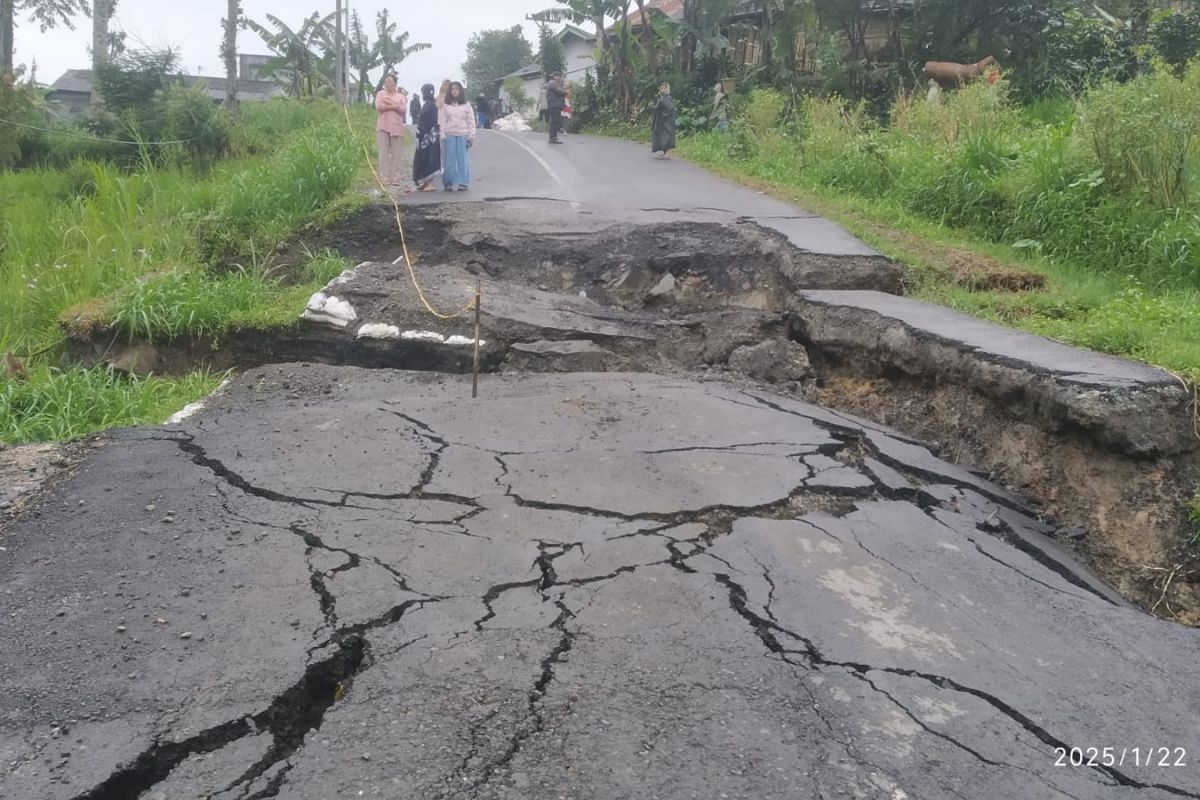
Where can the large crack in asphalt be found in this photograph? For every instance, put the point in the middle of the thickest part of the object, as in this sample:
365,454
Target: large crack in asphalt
291,715
534,721
858,439
301,708
768,631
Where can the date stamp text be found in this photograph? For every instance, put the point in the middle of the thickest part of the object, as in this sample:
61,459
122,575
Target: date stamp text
1120,756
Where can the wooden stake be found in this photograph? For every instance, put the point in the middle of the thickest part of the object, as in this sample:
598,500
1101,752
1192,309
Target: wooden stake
475,371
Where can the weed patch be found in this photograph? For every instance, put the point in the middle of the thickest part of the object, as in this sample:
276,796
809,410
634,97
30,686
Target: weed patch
56,405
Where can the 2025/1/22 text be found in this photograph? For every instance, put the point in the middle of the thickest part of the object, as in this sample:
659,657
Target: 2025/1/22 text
1120,756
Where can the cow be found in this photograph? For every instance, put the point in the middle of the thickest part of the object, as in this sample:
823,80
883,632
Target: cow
950,75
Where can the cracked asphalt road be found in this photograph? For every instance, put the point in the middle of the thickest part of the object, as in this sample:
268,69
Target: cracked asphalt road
336,582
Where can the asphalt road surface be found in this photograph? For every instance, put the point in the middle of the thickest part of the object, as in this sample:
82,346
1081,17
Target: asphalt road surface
337,582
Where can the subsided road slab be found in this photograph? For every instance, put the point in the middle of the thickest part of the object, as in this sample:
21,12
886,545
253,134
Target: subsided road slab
1125,406
600,586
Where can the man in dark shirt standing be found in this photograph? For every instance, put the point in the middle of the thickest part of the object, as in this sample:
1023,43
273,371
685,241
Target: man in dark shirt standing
556,99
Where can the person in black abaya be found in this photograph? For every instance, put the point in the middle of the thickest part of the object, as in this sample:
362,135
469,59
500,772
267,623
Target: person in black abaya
662,130
427,163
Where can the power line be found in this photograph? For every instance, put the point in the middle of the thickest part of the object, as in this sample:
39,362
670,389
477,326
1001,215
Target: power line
90,138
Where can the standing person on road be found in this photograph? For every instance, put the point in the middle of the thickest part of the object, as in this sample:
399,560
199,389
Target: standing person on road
457,122
427,162
392,106
556,99
483,111
662,131
414,108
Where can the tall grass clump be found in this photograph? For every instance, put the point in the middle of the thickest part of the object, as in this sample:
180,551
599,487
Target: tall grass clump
1108,183
56,405
192,303
1145,135
69,236
206,305
94,229
262,203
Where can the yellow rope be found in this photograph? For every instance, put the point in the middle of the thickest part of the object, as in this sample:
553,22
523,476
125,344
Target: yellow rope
400,227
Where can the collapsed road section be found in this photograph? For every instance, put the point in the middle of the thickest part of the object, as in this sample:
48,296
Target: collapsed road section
345,582
1105,447
642,564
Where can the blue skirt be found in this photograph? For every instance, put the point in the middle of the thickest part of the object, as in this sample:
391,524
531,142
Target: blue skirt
455,162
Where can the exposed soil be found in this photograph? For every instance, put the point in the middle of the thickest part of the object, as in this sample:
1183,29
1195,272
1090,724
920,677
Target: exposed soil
1125,517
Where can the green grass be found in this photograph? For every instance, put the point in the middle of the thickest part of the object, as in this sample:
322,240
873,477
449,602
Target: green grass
162,252
93,230
205,306
1194,516
52,404
1121,276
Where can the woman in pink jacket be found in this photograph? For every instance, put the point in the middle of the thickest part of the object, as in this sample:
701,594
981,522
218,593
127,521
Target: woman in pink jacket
392,106
457,121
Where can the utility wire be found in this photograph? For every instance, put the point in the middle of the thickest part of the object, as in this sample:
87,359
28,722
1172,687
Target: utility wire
89,138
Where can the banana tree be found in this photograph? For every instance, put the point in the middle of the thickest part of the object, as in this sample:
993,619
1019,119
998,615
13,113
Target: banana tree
391,49
297,60
590,11
363,59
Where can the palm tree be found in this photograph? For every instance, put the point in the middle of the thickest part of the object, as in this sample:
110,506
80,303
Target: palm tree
390,49
297,63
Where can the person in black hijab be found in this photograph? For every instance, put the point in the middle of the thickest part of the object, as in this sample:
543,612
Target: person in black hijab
427,163
662,131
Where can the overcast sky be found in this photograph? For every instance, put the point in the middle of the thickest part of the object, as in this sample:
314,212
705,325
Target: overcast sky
193,28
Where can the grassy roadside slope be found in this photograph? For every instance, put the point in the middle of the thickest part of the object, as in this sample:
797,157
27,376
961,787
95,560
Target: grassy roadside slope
156,252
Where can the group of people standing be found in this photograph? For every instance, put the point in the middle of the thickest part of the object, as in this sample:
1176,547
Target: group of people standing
446,126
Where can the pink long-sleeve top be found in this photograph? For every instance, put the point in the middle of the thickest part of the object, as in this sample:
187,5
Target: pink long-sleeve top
457,119
393,109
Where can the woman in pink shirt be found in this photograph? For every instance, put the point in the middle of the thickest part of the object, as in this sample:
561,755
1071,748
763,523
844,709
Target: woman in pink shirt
457,122
392,106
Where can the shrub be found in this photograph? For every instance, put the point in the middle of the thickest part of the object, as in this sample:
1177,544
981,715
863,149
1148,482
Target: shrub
763,111
1176,38
19,103
1146,134
190,116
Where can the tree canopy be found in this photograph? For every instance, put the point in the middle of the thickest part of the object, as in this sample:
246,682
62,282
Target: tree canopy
47,13
492,54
